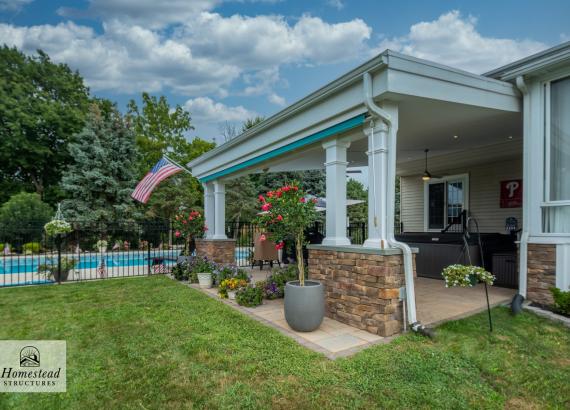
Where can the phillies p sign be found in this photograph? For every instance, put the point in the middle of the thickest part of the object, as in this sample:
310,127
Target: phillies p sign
511,193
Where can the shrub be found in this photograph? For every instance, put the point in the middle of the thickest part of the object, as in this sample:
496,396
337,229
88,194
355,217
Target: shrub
189,225
24,209
466,276
561,301
221,273
183,271
31,247
275,283
1,247
249,296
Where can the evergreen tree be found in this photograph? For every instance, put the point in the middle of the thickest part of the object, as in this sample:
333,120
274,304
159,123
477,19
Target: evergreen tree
102,176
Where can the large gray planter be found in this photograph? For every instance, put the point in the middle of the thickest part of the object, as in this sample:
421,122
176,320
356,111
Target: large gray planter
304,305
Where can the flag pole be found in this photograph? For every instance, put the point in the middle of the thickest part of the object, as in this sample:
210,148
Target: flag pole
177,164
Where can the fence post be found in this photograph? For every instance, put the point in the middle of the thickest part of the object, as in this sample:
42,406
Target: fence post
59,241
148,258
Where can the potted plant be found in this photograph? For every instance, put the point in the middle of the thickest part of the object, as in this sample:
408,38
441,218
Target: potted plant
50,269
203,270
286,213
230,287
188,225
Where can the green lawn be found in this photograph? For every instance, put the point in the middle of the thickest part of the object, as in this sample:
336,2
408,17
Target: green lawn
152,343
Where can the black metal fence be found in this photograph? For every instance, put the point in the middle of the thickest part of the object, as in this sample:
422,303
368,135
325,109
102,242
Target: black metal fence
121,249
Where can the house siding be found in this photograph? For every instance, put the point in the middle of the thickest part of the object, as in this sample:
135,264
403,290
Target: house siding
484,196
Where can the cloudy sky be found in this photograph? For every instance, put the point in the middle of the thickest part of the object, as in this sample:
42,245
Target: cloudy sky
228,60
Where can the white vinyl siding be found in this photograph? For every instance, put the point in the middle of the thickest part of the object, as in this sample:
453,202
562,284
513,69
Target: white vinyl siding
484,196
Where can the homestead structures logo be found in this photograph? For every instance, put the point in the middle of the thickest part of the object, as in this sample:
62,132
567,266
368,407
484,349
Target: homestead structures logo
22,369
29,357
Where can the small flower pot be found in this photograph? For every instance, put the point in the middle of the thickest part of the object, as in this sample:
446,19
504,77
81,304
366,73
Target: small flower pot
304,305
205,280
232,294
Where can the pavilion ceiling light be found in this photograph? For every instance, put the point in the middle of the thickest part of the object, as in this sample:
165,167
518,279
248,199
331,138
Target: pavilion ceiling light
426,176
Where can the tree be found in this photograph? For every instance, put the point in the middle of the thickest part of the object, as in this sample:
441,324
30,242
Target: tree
241,192
355,190
42,105
161,130
102,176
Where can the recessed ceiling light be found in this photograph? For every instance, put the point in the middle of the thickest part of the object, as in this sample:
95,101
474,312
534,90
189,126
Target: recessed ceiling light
455,137
510,137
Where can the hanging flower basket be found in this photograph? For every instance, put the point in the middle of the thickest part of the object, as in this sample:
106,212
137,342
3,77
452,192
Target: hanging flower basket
466,276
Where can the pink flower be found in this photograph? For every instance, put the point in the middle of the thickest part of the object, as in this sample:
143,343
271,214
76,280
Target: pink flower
286,188
190,218
205,228
280,245
261,198
279,218
295,188
303,200
177,234
184,221
266,207
263,238
270,194
315,200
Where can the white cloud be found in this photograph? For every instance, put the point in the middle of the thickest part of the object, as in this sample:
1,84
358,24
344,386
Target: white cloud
453,40
149,13
125,58
277,99
13,5
204,109
266,41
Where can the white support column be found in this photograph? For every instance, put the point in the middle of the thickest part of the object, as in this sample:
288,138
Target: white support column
336,192
219,210
209,209
377,134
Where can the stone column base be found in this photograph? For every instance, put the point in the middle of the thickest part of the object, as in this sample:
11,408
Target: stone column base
541,273
362,286
217,250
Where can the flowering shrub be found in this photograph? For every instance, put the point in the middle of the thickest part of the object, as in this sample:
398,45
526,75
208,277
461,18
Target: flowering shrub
249,296
222,272
287,213
231,284
189,225
466,276
57,227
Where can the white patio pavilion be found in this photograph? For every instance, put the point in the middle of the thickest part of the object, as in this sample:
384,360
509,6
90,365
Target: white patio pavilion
382,115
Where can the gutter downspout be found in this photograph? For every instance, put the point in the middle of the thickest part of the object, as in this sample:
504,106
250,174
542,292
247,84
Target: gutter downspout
378,112
523,245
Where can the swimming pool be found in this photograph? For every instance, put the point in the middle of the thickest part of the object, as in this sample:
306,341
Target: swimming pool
29,264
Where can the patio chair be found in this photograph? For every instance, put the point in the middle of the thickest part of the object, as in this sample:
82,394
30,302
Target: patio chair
264,251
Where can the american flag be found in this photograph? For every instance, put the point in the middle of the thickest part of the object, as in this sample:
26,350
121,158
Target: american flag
162,170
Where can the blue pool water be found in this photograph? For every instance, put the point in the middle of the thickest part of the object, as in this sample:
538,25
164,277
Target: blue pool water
30,264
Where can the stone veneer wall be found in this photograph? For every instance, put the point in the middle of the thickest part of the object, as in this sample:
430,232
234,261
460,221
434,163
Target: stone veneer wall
361,289
217,250
541,274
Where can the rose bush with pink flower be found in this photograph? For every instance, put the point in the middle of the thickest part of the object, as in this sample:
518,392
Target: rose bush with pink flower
189,225
286,214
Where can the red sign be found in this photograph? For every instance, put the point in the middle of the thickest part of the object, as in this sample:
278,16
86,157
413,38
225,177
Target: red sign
511,193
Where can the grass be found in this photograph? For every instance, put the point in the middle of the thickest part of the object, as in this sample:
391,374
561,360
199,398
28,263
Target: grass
153,343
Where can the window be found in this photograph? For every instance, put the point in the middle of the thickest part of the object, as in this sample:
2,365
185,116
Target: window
556,208
445,199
